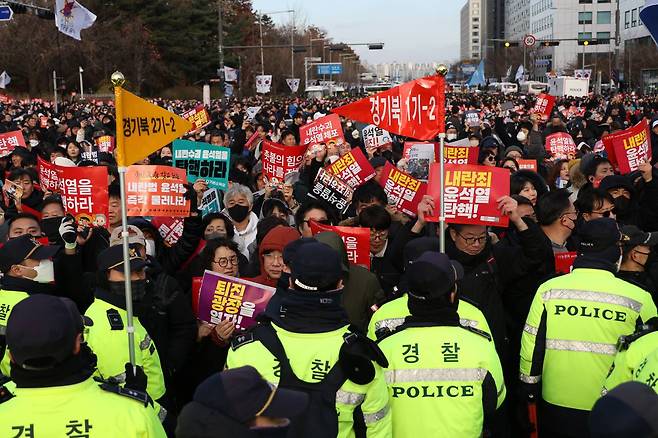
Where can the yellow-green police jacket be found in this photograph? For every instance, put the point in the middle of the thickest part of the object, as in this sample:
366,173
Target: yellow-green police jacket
82,409
392,314
442,380
570,337
8,299
311,356
111,348
629,358
647,371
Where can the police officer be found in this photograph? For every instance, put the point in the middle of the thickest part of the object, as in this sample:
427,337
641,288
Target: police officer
306,342
107,337
444,379
391,315
55,393
570,336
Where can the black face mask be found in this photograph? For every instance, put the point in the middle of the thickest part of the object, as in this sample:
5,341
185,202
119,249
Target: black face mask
50,228
272,432
211,236
622,206
238,212
119,288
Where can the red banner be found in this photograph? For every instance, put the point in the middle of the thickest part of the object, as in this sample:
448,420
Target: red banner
48,176
325,130
403,190
629,148
564,261
415,109
156,191
527,164
280,160
353,168
105,143
561,146
170,229
198,116
356,240
544,105
471,194
10,141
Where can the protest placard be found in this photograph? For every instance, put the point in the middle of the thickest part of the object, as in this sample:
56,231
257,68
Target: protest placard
226,298
332,190
280,160
327,130
353,168
376,137
10,141
198,116
544,105
48,177
472,118
210,202
527,164
419,156
403,190
203,160
629,148
156,191
564,261
561,146
104,143
170,228
356,240
471,194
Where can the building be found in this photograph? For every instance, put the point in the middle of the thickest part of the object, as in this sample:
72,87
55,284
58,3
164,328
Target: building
517,19
635,40
470,30
492,26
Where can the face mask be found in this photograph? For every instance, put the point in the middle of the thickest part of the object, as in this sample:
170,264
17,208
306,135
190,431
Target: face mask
50,228
521,136
34,143
622,205
45,272
451,137
238,212
150,247
211,236
138,288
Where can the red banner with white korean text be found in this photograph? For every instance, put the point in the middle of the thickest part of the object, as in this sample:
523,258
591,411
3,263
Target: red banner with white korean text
48,176
564,261
561,146
105,143
356,240
327,130
629,148
156,191
10,141
544,105
415,109
198,116
402,190
471,194
353,168
84,194
280,160
170,228
527,164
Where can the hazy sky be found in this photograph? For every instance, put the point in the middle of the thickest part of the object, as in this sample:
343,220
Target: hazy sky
411,30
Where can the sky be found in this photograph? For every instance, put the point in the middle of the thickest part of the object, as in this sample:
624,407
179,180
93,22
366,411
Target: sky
411,30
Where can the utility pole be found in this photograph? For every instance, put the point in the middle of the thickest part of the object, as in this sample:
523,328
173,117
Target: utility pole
55,91
262,62
220,40
292,46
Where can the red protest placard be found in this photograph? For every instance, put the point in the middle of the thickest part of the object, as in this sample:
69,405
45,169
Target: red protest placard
453,154
170,228
325,130
280,160
356,240
10,141
403,190
527,164
47,175
84,193
561,146
198,116
470,194
629,148
105,143
544,105
353,168
415,109
156,191
564,261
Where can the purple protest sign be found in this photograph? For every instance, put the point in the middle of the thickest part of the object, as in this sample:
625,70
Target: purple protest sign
223,297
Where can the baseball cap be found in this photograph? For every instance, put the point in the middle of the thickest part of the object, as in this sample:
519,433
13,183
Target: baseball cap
135,236
599,235
654,123
42,330
638,237
433,275
24,247
629,410
112,258
616,181
316,267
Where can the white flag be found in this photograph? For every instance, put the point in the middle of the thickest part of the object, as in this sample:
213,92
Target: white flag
251,112
228,89
5,79
71,17
509,72
293,84
263,83
519,73
230,74
582,73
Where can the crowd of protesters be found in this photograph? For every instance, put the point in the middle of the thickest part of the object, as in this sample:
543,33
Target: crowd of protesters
565,205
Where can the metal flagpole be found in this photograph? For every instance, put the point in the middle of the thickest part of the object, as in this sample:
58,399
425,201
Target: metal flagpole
442,214
118,80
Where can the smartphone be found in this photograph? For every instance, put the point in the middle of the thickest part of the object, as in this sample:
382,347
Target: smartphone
14,191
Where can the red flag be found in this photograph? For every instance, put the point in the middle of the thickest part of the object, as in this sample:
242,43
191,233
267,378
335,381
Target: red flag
415,109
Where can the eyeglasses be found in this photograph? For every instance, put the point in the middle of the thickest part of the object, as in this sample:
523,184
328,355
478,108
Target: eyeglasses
472,240
606,213
224,261
381,235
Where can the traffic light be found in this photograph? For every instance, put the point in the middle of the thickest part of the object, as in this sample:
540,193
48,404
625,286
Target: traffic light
375,46
550,43
299,49
508,44
588,42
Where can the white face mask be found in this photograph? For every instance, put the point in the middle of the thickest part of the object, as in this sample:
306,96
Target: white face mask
45,272
34,143
521,136
150,247
451,137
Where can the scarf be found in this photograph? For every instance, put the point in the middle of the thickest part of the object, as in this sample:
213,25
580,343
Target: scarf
28,286
466,260
75,369
432,311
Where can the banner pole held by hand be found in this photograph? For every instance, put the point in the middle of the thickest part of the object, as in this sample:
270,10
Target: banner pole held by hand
442,214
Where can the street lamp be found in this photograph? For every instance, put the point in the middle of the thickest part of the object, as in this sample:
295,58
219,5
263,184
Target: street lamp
292,39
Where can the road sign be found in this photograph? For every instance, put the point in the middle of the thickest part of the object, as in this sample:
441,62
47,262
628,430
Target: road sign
5,12
529,40
329,69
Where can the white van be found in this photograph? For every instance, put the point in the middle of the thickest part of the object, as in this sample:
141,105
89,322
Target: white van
507,87
533,87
